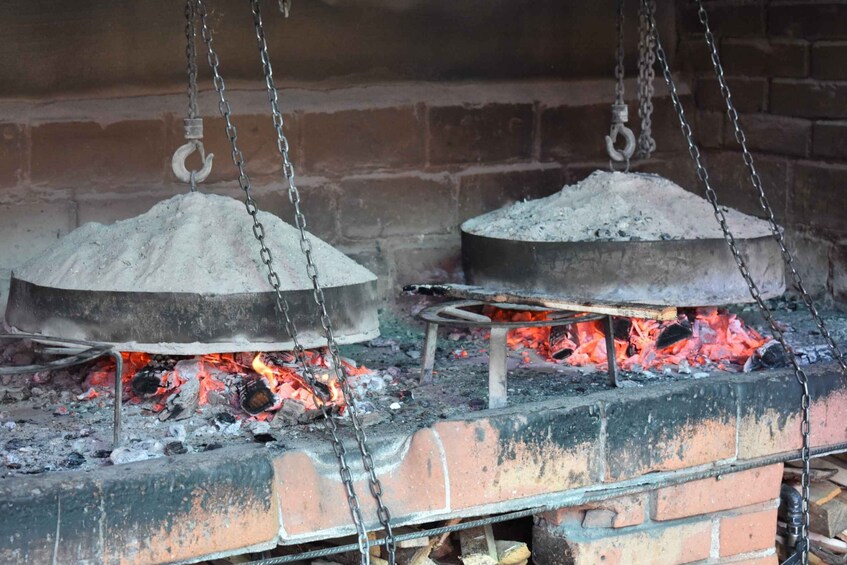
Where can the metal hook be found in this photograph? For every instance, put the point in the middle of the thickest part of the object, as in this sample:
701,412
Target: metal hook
182,153
628,150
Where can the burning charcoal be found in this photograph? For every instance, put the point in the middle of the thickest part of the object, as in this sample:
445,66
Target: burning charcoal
560,342
622,327
673,333
224,418
147,382
73,459
256,396
289,413
175,448
769,356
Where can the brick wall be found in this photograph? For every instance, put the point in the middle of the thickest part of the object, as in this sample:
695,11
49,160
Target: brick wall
785,63
731,519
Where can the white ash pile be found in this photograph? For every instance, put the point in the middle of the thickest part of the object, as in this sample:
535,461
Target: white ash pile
193,243
613,206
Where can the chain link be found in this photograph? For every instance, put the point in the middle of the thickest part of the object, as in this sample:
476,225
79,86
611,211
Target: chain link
191,56
311,269
646,78
763,200
776,331
280,301
619,56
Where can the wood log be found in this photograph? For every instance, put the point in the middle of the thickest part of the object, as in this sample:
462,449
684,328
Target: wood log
548,301
512,552
478,546
827,509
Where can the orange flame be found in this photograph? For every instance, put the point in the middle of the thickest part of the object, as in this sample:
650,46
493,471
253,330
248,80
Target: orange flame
717,336
284,380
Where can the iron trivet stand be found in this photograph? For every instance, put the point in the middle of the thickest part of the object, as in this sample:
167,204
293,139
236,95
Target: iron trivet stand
72,352
560,313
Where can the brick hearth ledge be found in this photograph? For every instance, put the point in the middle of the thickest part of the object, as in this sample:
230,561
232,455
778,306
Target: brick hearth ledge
556,453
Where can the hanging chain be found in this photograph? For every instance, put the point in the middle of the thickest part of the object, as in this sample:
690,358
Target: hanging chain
763,200
192,124
646,77
703,175
280,301
311,269
620,111
191,56
619,56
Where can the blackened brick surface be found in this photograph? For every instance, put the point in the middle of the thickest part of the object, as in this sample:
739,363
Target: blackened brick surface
488,134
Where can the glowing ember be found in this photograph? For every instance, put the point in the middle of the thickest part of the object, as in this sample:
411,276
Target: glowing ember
705,335
278,372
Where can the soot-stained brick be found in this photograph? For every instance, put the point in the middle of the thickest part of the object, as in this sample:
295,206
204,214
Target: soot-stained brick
664,430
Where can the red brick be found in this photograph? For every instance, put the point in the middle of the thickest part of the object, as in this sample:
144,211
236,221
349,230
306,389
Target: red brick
487,134
829,139
79,153
435,259
767,133
396,205
771,559
763,57
746,533
748,94
709,128
312,497
671,544
770,421
818,196
30,228
808,19
351,140
628,510
713,495
808,98
731,180
537,453
828,60
693,55
485,191
12,154
700,430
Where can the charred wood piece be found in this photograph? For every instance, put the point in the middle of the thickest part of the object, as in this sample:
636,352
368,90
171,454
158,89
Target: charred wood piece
674,333
770,356
256,395
147,382
561,342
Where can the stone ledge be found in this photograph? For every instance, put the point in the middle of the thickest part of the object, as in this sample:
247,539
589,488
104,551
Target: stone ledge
556,453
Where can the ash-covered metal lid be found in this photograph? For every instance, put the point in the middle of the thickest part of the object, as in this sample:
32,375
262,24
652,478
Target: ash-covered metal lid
187,277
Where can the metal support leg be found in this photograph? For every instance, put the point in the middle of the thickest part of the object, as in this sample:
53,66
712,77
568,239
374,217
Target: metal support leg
428,361
610,351
497,350
119,386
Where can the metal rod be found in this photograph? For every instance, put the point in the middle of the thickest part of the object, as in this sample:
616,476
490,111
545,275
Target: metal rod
611,357
428,361
497,350
116,422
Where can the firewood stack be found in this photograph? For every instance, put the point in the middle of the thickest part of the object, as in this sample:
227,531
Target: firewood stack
827,506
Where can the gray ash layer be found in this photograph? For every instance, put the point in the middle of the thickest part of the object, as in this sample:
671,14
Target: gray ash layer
612,206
